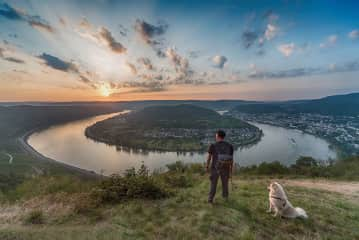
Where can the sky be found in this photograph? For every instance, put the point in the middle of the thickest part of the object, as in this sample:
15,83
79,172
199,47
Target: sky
108,50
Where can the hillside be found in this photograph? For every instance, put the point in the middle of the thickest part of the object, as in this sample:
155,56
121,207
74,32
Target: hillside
173,205
171,128
332,105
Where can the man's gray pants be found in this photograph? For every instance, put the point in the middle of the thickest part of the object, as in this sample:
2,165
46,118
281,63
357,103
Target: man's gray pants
215,174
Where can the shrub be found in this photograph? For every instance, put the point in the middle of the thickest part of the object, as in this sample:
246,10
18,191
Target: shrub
178,180
132,185
177,167
35,217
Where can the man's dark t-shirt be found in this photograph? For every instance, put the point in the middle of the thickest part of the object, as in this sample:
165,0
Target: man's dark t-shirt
218,145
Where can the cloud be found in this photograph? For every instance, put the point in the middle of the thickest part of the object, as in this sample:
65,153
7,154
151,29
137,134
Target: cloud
14,60
16,15
249,38
39,24
146,62
180,63
132,67
102,36
271,32
300,72
143,86
193,54
10,59
62,21
354,34
271,16
219,61
148,31
10,13
88,82
329,42
107,38
286,49
57,63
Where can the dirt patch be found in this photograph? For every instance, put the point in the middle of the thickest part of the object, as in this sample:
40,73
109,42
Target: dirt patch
349,189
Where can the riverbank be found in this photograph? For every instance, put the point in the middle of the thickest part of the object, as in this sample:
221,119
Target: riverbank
26,147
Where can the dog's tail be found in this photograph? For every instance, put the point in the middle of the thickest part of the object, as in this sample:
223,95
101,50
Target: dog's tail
301,212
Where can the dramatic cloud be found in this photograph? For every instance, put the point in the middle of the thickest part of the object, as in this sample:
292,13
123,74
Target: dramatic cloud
132,67
88,82
14,60
249,38
219,61
149,34
102,37
181,64
10,59
57,63
148,31
106,36
354,34
330,41
299,72
271,31
149,85
146,62
34,21
286,49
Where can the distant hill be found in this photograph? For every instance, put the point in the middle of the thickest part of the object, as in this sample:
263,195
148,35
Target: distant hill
332,105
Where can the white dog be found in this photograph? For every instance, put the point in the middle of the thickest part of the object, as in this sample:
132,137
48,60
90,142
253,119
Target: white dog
278,202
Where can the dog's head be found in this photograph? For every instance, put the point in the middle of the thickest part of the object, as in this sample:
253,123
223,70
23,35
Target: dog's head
276,189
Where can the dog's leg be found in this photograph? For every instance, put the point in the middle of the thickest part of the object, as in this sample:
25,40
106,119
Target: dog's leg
275,212
270,207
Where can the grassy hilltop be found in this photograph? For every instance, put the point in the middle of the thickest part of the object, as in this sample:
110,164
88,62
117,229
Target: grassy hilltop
170,205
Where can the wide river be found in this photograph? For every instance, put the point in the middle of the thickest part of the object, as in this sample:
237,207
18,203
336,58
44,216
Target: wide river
67,143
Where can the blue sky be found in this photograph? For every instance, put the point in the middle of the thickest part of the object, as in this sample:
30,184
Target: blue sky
129,50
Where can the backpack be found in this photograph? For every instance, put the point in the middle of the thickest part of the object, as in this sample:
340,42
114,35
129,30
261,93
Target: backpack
224,156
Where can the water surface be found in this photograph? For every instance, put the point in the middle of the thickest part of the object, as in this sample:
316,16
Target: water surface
67,143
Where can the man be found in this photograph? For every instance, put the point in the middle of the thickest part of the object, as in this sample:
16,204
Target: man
219,164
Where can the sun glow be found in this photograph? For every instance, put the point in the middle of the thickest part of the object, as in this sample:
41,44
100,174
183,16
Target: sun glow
105,91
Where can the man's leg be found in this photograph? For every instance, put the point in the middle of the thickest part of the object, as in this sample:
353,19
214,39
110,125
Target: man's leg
225,180
214,179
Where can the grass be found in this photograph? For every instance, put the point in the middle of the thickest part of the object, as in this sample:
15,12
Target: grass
183,215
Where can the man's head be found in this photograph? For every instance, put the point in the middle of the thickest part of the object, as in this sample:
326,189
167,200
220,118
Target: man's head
220,135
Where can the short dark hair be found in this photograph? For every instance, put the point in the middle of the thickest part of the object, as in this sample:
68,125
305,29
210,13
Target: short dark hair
221,134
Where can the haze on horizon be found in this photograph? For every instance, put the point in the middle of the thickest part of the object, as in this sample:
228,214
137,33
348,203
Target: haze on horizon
136,50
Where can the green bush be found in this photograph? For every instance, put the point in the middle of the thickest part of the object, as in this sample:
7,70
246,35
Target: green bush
133,185
35,217
177,167
178,180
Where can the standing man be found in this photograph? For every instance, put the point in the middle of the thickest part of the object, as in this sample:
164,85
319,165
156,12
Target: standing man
219,164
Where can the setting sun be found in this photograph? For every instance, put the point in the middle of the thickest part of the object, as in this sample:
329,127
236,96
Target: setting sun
105,91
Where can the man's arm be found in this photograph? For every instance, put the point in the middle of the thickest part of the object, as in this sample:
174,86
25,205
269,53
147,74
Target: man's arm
209,158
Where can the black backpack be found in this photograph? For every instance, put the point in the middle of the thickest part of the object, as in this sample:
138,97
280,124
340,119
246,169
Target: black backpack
224,155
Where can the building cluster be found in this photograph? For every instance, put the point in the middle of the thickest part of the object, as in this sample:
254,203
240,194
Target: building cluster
236,136
341,131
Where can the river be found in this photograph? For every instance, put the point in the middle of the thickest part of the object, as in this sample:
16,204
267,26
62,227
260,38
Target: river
68,144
